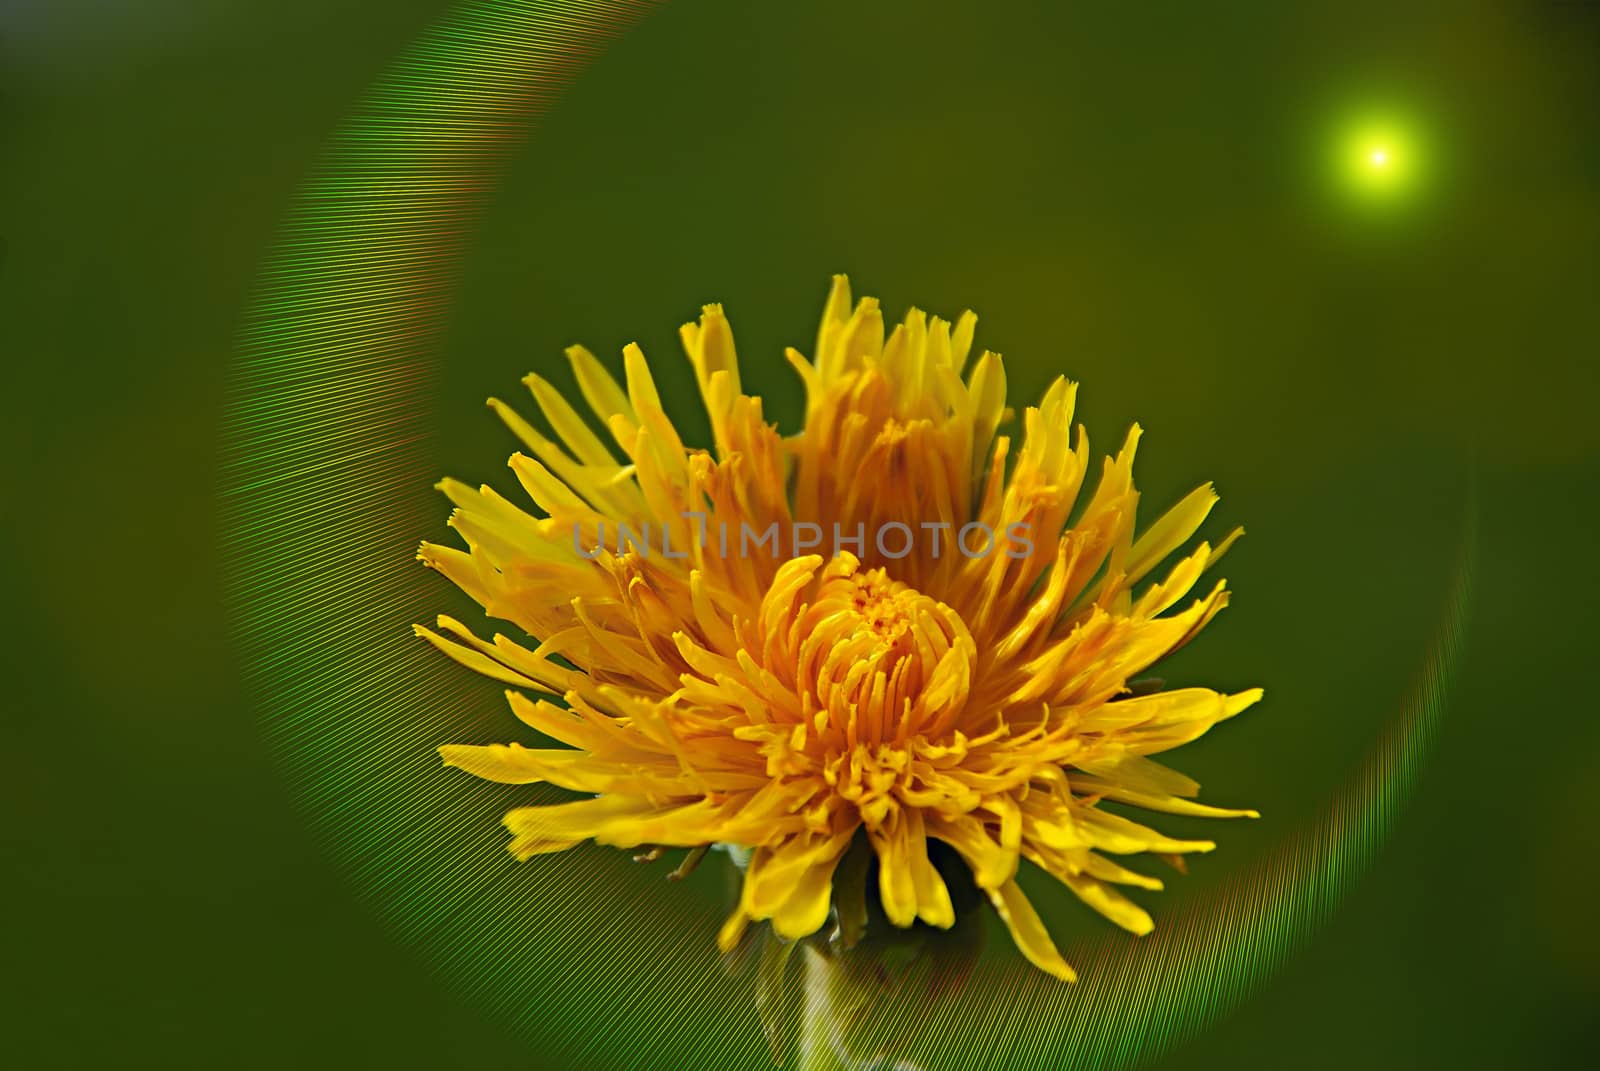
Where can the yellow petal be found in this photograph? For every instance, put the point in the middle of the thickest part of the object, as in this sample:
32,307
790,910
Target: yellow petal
473,660
895,886
1137,772
584,443
1110,903
806,908
1170,532
579,771
599,389
709,345
1029,932
991,865
1155,801
961,340
536,830
732,929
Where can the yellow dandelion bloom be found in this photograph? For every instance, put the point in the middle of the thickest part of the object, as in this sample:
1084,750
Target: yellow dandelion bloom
884,623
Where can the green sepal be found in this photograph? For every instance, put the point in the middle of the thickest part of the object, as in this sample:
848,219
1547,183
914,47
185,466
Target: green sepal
850,891
777,1001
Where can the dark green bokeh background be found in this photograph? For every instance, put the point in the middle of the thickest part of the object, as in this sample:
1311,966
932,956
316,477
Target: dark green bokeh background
1134,197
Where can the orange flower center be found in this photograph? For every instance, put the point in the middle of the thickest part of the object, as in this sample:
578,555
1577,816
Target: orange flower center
885,661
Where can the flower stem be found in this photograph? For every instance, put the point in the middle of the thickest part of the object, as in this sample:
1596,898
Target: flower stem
822,1019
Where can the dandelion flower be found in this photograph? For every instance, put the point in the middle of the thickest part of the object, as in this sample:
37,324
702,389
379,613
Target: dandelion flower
885,624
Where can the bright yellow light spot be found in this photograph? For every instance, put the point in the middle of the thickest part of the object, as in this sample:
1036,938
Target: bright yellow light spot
1377,160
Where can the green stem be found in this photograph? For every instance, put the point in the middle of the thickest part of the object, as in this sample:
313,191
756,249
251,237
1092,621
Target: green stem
822,1045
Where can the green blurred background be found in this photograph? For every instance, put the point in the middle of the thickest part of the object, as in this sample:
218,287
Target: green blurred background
1139,197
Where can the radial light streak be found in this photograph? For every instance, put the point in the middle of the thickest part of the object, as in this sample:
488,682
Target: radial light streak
327,479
